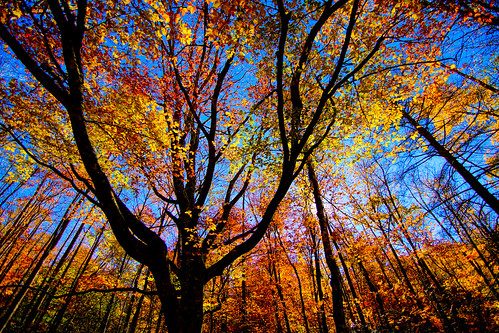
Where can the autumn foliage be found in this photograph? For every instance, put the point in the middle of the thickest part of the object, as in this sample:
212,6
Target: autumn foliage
249,166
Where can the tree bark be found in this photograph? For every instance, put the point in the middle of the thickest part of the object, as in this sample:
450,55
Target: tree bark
336,279
472,181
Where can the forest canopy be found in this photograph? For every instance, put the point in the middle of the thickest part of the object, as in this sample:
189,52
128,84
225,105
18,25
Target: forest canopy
249,166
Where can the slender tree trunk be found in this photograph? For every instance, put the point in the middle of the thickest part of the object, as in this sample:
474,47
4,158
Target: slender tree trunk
35,305
18,187
60,314
474,264
105,321
46,252
356,301
472,181
17,228
133,325
300,289
44,307
322,309
244,305
462,228
24,248
434,285
159,323
374,290
275,276
402,270
281,298
338,311
131,301
383,271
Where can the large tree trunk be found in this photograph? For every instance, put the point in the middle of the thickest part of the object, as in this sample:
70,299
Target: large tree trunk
191,304
183,309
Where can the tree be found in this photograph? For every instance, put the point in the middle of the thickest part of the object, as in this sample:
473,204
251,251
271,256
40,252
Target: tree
336,279
171,126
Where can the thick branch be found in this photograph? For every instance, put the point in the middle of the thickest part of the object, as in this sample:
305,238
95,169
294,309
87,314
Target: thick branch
279,79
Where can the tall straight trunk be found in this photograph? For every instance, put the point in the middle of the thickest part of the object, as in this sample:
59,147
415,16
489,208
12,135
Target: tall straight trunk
276,277
133,325
24,248
60,314
300,288
466,238
338,311
271,269
443,300
32,246
383,271
105,320
474,264
244,295
61,228
406,279
276,315
374,290
461,228
402,270
13,225
429,279
17,227
131,301
281,298
34,307
5,198
54,268
356,302
322,308
472,181
52,289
